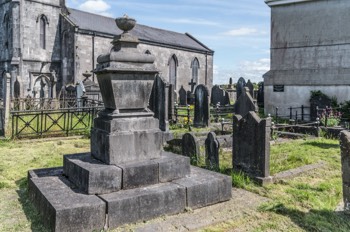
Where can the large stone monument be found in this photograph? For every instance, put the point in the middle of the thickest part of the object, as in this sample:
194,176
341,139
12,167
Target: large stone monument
127,177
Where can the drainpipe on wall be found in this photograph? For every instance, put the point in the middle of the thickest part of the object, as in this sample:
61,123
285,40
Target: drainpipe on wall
93,56
206,68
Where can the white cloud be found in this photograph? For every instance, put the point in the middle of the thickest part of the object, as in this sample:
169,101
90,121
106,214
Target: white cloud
191,21
96,6
253,70
243,31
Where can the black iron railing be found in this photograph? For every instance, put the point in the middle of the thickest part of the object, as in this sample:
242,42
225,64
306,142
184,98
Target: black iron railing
52,122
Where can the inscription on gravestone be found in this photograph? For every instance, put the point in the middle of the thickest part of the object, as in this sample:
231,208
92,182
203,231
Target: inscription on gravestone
201,107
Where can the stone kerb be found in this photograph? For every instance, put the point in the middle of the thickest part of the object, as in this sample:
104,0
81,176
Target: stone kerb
251,146
345,162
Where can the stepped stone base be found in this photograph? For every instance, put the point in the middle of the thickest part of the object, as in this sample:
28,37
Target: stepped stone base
64,208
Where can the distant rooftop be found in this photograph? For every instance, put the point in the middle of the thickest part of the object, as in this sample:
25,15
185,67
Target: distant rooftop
98,23
284,2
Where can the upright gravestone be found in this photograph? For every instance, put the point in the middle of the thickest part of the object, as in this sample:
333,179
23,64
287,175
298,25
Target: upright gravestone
240,87
171,102
260,98
127,174
201,107
318,100
230,83
245,103
182,97
250,86
212,147
190,147
157,102
251,146
219,95
345,162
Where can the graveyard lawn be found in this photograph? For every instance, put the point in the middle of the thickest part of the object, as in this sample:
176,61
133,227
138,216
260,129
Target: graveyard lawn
304,203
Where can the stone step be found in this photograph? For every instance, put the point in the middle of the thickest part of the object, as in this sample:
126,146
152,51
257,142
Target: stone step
95,177
63,208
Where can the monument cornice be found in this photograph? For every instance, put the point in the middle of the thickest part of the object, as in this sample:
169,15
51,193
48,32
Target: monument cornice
284,2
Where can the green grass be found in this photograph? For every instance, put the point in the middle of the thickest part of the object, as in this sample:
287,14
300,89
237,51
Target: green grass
16,158
305,203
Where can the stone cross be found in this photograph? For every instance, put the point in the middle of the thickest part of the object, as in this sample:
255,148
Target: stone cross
192,84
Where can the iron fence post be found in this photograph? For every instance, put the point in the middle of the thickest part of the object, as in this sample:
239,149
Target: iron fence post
302,113
290,112
188,115
276,113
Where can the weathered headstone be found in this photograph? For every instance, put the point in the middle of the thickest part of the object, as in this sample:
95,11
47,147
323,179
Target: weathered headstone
260,98
318,100
240,86
219,95
190,98
201,107
182,97
171,102
230,83
212,147
251,146
190,147
157,102
250,86
345,162
245,103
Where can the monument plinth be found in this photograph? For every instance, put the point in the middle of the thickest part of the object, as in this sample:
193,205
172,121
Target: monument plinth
127,177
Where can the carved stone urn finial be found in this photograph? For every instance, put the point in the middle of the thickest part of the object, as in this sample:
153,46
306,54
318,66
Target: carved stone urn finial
125,23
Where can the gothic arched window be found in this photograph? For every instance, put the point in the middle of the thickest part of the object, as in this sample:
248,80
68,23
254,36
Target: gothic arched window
7,34
42,32
195,67
173,70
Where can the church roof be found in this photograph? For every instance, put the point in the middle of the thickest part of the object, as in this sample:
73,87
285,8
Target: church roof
98,23
284,2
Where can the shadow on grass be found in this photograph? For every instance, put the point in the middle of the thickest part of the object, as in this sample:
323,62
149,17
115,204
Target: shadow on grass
322,145
28,208
314,220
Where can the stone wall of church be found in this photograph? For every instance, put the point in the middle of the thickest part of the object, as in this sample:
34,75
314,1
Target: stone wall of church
36,60
102,45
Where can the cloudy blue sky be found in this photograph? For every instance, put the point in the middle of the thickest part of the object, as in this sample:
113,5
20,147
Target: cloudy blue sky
237,30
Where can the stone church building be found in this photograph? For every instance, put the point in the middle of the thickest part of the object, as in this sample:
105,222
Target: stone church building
310,50
45,46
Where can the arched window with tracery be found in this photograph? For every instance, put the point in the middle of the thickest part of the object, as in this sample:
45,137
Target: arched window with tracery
195,67
173,70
